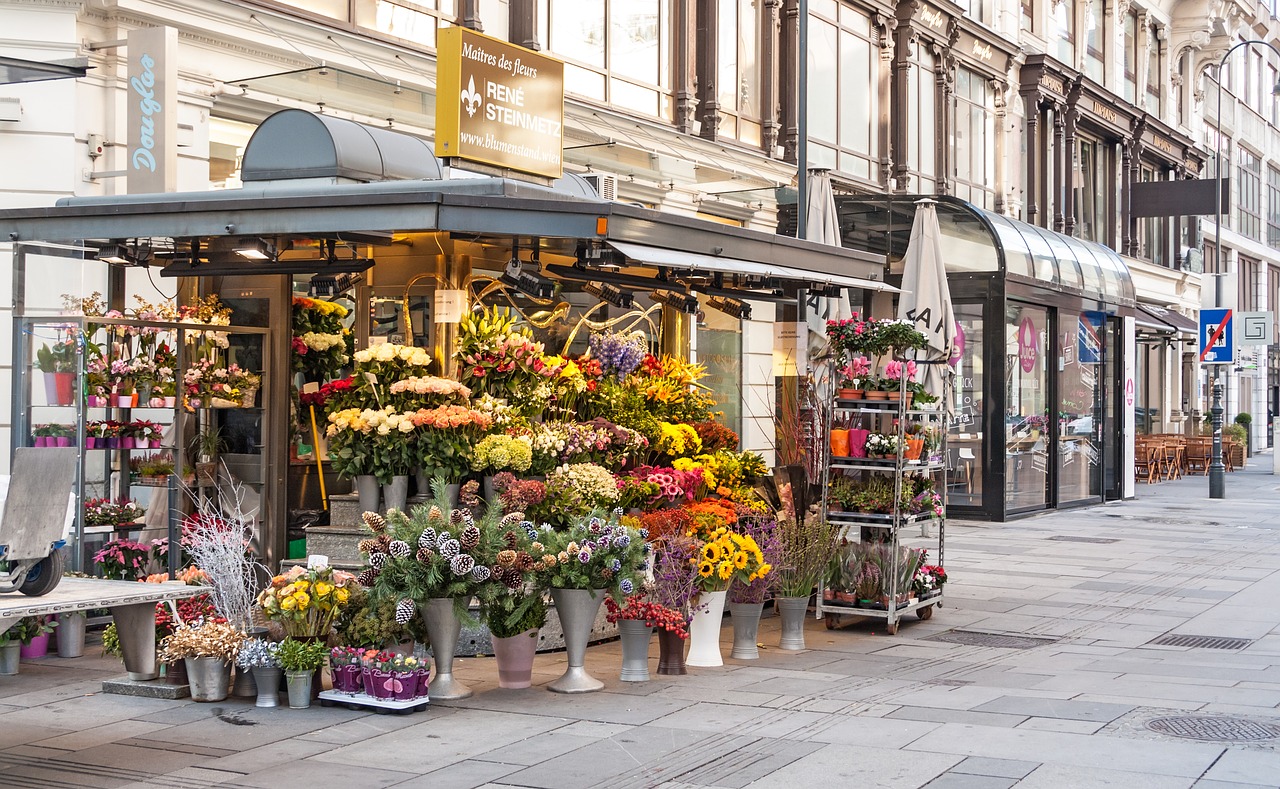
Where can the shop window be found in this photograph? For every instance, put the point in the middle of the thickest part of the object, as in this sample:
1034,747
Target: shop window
616,52
495,16
1094,48
405,19
719,350
1026,415
1130,57
1273,208
964,444
1062,31
227,139
1250,274
1094,191
921,121
1155,71
844,65
1153,232
973,145
739,78
1080,416
1027,15
1249,194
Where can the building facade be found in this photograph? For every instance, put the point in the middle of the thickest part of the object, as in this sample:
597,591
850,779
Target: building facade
1037,111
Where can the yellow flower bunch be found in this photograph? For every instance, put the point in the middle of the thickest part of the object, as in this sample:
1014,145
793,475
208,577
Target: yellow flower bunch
678,440
699,463
729,556
306,601
348,419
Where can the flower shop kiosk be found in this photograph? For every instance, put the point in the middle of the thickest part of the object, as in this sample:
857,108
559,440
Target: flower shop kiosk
336,213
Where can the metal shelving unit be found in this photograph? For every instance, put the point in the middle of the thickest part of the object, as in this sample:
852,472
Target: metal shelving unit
888,529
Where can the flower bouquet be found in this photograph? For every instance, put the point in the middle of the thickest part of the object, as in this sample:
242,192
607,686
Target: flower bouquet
446,435
320,341
496,357
306,600
501,452
619,355
208,639
346,668
387,363
429,391
574,490
596,552
730,557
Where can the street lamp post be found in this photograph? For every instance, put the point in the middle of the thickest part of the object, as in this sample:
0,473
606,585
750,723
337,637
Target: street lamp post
1217,470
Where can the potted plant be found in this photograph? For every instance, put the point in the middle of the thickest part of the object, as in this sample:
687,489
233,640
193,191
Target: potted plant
33,632
208,649
805,545
501,452
898,377
595,556
514,619
206,446
300,660
258,656
1245,419
345,664
726,556
10,653
852,377
58,364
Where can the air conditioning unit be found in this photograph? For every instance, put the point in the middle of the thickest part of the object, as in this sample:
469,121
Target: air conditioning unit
605,184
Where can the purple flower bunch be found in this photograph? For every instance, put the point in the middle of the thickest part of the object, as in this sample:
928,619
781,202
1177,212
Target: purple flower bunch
619,354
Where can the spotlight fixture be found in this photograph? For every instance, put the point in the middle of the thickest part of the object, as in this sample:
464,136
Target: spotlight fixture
257,249
682,302
609,293
117,254
823,289
330,285
730,306
527,283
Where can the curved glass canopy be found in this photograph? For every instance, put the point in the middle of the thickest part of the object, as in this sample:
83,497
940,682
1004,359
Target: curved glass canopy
978,241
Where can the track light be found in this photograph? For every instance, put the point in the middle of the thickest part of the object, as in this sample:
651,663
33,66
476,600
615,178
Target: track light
527,283
258,249
117,254
609,293
682,302
829,291
729,306
331,285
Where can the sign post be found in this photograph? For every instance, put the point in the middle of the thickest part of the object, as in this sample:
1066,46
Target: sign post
1217,347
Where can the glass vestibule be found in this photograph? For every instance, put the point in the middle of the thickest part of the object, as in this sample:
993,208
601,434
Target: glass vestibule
1026,415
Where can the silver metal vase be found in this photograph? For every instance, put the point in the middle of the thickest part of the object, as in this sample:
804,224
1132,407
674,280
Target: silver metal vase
577,609
793,611
267,680
209,677
746,628
636,636
443,628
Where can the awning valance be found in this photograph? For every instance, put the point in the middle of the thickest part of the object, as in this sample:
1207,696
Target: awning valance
688,261
1166,321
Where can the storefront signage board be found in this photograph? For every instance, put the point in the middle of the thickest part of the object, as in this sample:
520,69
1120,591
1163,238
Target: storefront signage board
152,116
1257,328
499,104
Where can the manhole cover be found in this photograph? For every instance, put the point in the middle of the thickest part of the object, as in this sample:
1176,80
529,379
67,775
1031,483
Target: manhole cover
1215,728
1200,642
1096,540
973,638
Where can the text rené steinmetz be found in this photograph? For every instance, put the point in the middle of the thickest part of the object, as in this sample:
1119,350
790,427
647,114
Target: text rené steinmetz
504,104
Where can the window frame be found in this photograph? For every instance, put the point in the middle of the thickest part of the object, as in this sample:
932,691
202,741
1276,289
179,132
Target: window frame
1248,193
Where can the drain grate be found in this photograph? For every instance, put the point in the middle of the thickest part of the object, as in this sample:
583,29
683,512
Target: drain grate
1216,728
1200,642
1094,540
974,638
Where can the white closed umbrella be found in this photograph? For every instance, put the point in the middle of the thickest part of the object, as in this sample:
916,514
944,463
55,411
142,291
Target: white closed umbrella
822,224
926,299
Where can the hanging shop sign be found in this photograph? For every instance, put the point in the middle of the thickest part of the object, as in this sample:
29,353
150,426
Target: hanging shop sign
152,164
499,104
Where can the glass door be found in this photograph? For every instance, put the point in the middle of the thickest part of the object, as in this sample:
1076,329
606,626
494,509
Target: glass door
1080,419
1026,407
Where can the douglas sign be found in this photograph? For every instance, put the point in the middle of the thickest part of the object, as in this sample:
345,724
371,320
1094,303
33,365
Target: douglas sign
153,111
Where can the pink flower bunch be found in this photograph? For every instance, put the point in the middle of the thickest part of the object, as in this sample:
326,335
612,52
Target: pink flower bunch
673,485
451,416
894,370
430,385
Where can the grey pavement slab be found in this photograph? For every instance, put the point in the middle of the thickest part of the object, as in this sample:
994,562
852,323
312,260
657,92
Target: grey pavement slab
880,768
1056,776
1260,768
969,781
1000,768
1055,708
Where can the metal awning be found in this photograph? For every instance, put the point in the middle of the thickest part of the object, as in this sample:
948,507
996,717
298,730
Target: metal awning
1166,321
690,262
15,70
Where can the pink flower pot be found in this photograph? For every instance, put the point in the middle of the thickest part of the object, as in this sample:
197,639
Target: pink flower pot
407,687
126,442
156,402
124,401
63,441
424,682
380,684
142,443
42,441
38,648
97,402
858,442
170,402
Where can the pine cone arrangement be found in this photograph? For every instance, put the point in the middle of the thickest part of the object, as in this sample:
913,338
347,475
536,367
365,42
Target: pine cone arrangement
470,538
511,539
455,518
405,611
425,554
427,539
399,549
368,546
434,514
367,577
480,573
462,564
506,559
377,561
450,549
376,523
524,562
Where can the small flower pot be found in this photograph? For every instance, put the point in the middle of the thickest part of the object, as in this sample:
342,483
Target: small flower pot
840,443
858,442
914,447
515,659
636,636
209,677
40,442
97,402
37,648
113,442
175,673
127,442
65,384
670,653
404,685
424,683
171,402
793,611
155,402
299,685
746,627
876,394
123,401
849,393
380,684
70,634
10,657
62,441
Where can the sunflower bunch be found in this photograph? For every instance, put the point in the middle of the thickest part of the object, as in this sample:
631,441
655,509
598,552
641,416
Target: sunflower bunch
727,556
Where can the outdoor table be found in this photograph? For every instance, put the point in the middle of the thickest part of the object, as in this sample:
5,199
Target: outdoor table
132,604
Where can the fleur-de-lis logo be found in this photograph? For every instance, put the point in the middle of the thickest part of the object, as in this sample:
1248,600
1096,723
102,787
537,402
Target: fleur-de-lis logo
470,98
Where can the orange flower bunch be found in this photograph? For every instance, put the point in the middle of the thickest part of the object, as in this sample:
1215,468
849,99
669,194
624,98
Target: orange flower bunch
710,515
451,416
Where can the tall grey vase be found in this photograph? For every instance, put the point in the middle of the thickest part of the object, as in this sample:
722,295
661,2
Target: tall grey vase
793,611
746,627
244,685
267,679
70,634
396,494
636,636
370,493
577,609
443,628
